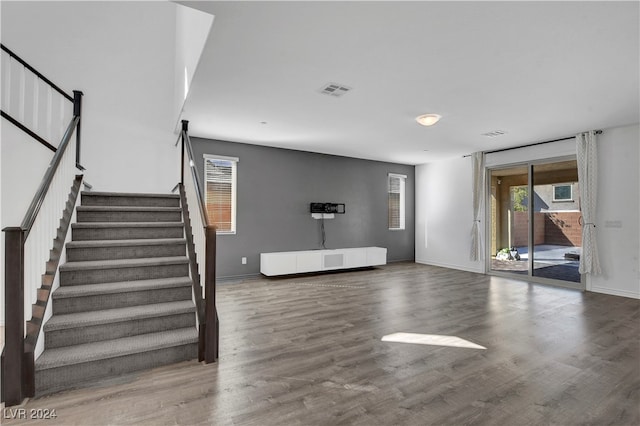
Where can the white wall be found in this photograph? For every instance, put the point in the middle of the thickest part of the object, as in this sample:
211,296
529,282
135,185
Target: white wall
122,56
618,205
444,214
444,209
192,31
24,163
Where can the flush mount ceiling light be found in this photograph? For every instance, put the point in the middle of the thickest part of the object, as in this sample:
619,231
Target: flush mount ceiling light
428,119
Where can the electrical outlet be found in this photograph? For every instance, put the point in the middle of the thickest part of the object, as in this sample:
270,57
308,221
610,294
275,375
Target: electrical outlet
244,260
613,224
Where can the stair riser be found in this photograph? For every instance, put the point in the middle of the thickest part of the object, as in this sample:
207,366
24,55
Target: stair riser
93,276
129,216
125,252
126,233
78,375
104,200
80,335
119,300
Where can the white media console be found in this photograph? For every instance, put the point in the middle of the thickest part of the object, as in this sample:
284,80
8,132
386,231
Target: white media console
297,262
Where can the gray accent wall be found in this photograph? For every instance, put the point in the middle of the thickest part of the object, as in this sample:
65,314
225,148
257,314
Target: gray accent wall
274,189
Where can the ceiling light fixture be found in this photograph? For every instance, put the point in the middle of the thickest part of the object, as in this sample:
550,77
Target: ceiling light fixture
428,119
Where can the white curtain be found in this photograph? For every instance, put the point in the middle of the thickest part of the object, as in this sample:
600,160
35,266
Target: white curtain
588,179
477,164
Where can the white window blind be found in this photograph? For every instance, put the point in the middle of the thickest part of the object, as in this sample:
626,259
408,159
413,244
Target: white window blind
220,192
396,185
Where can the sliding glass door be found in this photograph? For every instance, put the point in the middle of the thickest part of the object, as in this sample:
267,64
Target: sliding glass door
535,226
558,232
509,220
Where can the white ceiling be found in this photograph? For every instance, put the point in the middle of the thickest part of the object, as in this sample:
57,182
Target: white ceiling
537,70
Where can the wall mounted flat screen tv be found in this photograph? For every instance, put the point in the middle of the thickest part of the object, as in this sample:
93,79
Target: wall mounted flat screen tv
336,208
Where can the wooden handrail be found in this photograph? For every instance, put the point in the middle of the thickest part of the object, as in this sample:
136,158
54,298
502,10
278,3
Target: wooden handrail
208,335
28,131
18,365
196,180
76,100
18,368
36,72
41,193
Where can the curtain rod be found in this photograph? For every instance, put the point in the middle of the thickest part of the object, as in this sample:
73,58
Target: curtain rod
597,132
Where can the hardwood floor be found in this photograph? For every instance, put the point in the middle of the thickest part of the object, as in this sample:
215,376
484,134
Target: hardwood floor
308,351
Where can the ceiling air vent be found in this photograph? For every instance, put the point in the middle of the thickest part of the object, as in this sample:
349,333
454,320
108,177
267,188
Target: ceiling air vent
334,89
494,133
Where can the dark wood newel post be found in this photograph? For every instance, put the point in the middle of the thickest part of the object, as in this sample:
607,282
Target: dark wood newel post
12,374
77,112
185,129
211,330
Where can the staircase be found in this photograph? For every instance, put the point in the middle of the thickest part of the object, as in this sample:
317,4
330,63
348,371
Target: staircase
125,296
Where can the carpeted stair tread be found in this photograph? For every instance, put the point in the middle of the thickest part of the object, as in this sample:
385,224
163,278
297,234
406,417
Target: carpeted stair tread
88,352
128,194
122,263
127,208
83,225
125,297
124,243
86,319
120,287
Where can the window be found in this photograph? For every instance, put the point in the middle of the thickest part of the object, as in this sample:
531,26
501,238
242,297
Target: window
563,192
220,192
396,201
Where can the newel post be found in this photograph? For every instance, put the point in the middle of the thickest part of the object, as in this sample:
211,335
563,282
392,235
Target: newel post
211,317
13,386
185,129
77,112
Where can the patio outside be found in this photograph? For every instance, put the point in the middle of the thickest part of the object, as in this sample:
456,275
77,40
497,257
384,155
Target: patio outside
551,261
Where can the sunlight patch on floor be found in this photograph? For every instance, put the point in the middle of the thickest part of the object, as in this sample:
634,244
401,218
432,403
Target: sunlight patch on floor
430,339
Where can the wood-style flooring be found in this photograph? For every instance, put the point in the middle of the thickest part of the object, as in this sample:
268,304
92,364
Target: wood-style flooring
308,351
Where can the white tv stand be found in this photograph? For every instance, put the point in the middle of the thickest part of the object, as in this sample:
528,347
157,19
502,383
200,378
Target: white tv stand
297,262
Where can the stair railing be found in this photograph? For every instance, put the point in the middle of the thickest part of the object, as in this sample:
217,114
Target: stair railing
27,247
35,104
201,249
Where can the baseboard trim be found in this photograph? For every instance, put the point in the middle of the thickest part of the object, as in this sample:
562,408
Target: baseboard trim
401,260
478,270
232,279
614,292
